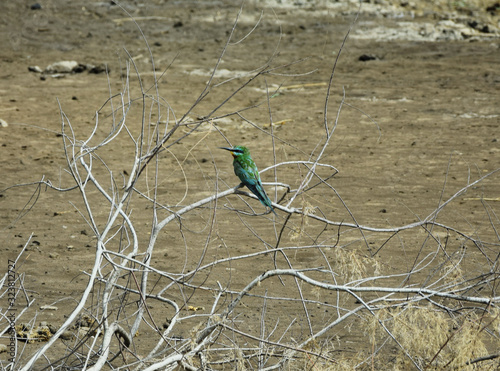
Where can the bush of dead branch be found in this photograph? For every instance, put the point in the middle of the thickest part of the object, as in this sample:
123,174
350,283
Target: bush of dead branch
326,295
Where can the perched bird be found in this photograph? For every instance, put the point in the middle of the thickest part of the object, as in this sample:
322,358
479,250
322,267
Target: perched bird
247,171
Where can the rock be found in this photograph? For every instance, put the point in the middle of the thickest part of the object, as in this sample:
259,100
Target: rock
52,328
98,69
80,68
367,57
445,30
36,69
3,348
3,123
448,30
62,67
67,335
83,332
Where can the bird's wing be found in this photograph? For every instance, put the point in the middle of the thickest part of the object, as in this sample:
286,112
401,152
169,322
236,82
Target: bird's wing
256,176
247,174
259,189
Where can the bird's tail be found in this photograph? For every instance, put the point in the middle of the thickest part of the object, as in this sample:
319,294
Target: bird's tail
261,195
272,209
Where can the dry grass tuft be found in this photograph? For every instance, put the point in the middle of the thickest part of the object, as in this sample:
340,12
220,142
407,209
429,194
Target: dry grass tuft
434,339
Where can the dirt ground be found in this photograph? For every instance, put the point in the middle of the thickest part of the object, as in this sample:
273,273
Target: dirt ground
420,121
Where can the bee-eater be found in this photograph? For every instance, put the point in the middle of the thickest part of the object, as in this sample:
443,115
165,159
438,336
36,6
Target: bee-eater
246,170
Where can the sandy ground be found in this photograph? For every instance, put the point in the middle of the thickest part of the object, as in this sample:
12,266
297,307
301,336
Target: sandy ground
420,120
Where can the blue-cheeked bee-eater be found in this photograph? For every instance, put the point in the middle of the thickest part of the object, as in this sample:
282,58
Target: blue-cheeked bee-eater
246,170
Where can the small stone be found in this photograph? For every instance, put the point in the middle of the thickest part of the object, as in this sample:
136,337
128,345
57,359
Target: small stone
62,67
67,335
52,328
53,255
367,57
3,123
3,348
101,68
83,332
36,69
80,68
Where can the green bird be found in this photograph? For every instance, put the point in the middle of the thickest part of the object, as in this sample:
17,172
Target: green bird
246,170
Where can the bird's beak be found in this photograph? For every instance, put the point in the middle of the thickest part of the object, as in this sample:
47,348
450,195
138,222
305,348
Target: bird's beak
230,150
